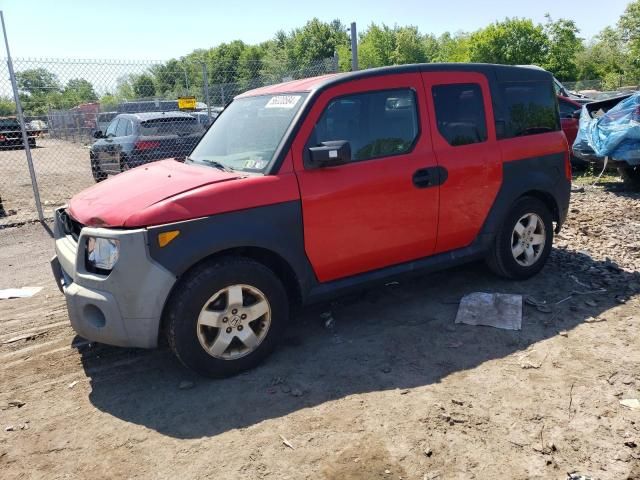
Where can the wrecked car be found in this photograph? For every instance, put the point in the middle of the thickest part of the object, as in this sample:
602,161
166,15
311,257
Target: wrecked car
609,135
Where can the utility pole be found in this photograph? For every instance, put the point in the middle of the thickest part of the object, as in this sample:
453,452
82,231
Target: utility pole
354,47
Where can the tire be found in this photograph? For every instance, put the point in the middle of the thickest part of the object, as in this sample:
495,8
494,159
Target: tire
505,257
32,143
630,176
205,293
96,171
124,164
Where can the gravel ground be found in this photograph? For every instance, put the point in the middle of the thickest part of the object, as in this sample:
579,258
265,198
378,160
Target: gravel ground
62,169
393,390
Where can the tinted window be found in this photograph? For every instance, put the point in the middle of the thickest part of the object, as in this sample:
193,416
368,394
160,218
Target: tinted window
170,126
129,129
460,113
111,129
530,108
567,109
375,124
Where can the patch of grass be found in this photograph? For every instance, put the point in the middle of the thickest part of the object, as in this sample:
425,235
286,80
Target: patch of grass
589,175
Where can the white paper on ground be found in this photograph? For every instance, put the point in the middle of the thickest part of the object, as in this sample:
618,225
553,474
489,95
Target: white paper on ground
499,310
25,292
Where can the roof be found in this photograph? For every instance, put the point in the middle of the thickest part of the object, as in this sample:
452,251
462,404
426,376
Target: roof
500,72
143,116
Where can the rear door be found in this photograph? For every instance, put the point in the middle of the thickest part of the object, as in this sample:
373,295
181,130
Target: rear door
378,209
464,142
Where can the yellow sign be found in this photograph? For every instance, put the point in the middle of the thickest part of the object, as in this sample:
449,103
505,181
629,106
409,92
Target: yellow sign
187,103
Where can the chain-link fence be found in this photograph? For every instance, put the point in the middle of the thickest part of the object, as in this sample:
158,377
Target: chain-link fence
87,119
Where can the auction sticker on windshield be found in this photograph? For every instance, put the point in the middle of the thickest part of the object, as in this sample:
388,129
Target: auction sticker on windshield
283,101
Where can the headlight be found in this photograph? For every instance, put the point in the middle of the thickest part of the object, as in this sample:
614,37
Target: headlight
102,253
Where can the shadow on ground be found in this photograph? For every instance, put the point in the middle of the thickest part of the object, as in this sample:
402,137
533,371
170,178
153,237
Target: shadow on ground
399,336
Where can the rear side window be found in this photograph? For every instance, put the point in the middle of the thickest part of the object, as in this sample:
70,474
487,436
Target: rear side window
529,108
376,124
170,126
460,113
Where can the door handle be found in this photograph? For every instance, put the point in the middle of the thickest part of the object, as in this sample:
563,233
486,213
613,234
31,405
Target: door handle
429,177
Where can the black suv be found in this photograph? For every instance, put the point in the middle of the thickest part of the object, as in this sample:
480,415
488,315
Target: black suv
133,139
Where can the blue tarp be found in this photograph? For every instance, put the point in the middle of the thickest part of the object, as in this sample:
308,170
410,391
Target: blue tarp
616,134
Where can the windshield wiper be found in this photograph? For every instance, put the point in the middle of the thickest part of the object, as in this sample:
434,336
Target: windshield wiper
213,163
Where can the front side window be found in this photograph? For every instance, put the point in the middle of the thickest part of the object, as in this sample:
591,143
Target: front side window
247,134
460,115
376,124
121,129
111,129
530,108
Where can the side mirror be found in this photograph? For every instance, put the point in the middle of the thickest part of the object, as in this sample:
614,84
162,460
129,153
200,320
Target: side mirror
576,114
330,154
98,134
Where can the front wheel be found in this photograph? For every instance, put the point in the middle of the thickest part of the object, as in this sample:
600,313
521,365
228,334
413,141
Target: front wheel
96,171
523,243
226,316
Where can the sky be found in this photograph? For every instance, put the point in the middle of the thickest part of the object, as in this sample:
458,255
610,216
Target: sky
162,29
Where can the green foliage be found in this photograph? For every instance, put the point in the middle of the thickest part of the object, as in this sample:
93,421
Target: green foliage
144,86
515,41
7,106
564,45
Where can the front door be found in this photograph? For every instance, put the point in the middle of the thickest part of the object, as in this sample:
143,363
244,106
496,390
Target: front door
381,207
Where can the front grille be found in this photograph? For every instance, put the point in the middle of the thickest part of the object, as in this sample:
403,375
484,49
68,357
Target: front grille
69,225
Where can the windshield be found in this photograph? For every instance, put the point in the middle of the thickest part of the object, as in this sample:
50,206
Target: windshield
246,136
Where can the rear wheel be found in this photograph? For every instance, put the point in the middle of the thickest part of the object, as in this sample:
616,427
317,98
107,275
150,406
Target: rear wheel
523,243
226,316
96,171
630,176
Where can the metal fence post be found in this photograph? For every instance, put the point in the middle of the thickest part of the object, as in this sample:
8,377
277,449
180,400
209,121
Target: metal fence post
23,127
205,83
336,61
354,47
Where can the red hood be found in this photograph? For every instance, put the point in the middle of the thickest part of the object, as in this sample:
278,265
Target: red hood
112,202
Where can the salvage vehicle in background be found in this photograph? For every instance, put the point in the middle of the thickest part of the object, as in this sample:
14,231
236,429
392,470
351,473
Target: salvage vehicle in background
11,134
136,139
609,136
310,189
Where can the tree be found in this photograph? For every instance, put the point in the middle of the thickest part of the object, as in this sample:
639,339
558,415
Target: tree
564,45
7,106
376,47
78,91
515,41
629,28
143,86
603,57
38,81
453,48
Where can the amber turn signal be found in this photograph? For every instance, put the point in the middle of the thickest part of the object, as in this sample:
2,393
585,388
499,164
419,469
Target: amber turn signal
165,238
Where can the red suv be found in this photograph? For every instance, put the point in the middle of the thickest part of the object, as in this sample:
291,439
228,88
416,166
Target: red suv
308,189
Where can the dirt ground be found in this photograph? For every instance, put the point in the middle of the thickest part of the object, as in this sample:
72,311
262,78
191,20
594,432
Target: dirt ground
62,169
393,390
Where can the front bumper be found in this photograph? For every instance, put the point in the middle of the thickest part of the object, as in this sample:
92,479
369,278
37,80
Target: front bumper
123,308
